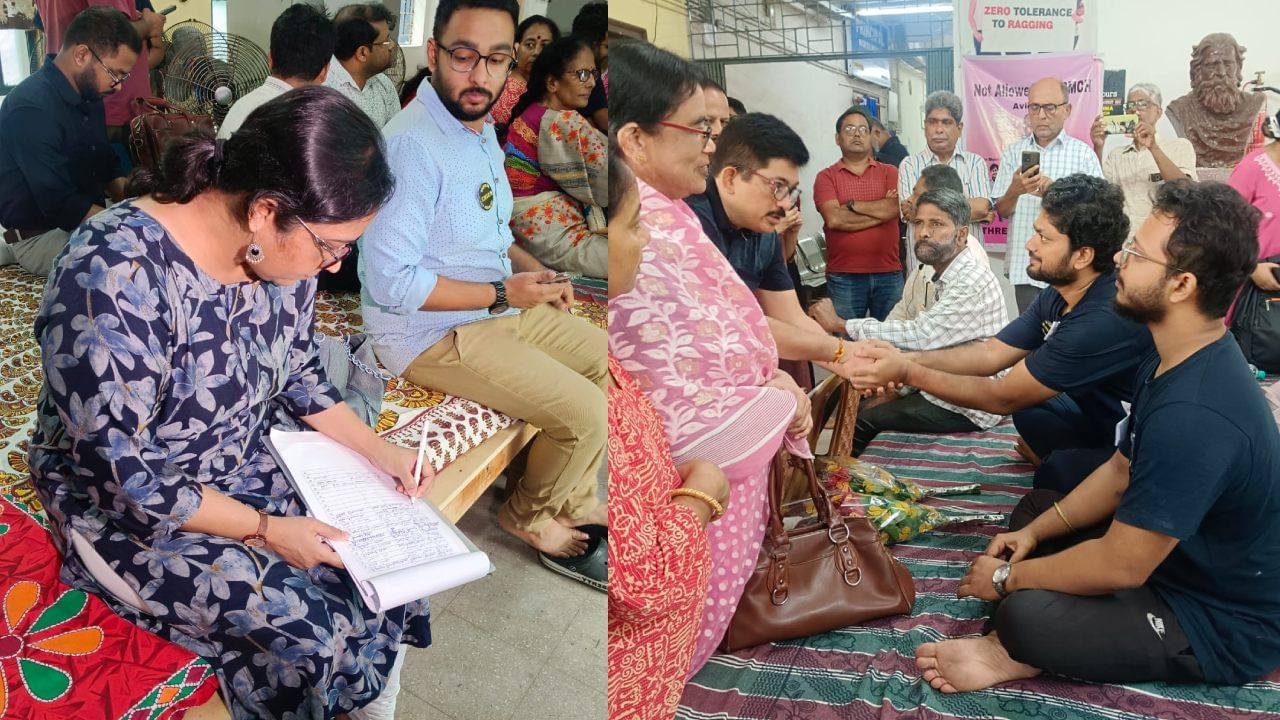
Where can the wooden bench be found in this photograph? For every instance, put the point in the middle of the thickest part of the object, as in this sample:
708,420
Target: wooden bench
463,481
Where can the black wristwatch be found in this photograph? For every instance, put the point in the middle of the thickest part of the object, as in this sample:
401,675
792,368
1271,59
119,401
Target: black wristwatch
849,206
500,305
999,577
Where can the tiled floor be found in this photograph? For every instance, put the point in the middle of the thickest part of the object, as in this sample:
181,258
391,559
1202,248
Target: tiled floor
523,643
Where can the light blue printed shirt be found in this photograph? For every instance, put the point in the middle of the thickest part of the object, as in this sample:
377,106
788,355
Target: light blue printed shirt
436,224
1064,156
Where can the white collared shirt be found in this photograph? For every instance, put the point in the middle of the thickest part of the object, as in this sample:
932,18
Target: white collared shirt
964,304
1133,169
1064,156
270,89
378,99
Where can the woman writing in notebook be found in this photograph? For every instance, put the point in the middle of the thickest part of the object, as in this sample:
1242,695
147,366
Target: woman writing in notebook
172,328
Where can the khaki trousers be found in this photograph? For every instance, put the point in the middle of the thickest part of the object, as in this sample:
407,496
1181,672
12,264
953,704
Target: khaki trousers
550,369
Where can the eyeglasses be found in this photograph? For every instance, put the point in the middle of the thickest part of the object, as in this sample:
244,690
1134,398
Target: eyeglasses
465,59
781,190
388,43
705,132
1048,108
855,130
335,255
1127,249
584,75
1137,105
116,78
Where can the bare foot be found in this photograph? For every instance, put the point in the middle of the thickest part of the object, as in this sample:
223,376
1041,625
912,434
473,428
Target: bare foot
598,516
552,538
1027,453
969,664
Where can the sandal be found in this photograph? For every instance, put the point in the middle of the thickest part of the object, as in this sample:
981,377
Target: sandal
591,567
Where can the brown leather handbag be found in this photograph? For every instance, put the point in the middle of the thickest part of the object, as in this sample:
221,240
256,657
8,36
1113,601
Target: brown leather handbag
155,123
816,578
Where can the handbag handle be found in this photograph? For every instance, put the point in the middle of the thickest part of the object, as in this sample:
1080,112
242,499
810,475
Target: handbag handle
846,558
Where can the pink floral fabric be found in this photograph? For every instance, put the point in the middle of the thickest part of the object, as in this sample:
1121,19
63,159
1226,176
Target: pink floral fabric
696,341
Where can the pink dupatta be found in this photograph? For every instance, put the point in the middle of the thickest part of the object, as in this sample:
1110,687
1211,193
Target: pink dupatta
697,343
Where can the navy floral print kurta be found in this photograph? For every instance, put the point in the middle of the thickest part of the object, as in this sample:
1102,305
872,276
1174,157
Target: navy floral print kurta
158,380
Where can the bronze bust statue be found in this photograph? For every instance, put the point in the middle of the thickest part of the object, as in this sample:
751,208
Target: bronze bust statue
1216,116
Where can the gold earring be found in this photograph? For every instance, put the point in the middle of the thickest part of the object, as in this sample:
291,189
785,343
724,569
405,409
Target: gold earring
641,158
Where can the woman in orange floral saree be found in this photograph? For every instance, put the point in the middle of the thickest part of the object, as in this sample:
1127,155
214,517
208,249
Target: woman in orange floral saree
557,164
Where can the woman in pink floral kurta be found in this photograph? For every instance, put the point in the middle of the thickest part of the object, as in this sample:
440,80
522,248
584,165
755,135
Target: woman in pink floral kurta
692,334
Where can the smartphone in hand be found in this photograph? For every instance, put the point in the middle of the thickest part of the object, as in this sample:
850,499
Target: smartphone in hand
1030,159
560,277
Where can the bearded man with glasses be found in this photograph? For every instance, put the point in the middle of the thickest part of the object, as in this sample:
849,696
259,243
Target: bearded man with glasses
453,304
57,167
1017,191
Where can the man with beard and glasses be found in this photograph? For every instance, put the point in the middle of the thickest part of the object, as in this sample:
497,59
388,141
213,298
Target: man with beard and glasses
56,16
56,166
1071,358
754,189
966,306
363,49
1017,191
1221,121
452,304
1164,565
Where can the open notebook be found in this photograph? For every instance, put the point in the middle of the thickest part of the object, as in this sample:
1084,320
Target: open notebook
399,550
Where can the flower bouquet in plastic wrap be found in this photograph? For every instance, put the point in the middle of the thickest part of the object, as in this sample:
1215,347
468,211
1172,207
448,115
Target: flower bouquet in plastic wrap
862,489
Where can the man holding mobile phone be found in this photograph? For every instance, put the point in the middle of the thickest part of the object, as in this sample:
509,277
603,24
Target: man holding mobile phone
1141,166
1049,153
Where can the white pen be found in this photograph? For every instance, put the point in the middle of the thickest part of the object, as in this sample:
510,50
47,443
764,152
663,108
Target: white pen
417,467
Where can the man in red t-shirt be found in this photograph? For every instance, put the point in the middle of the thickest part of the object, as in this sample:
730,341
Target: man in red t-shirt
858,200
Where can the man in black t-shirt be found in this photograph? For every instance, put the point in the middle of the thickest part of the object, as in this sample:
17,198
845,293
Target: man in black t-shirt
1070,358
755,175
1183,585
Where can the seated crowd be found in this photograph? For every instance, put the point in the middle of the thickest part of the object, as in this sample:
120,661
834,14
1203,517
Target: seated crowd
176,327
1138,555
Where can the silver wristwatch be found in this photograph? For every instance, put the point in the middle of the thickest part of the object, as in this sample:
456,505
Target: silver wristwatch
999,577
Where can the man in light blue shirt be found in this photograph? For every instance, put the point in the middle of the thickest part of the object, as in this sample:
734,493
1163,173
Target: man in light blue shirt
452,304
1017,193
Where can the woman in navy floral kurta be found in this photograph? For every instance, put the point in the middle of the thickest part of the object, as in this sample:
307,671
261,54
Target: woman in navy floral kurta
160,385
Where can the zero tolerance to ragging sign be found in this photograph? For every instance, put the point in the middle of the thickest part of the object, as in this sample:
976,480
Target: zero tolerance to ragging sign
1027,25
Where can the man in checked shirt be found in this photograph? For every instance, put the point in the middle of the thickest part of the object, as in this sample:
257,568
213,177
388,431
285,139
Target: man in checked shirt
965,305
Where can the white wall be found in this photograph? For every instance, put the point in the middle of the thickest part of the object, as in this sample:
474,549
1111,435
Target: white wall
807,98
910,91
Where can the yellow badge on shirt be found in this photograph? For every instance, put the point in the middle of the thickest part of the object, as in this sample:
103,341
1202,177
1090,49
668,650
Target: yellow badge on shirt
486,196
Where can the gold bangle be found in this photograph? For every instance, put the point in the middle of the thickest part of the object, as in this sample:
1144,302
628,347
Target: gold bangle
839,352
1064,517
716,508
